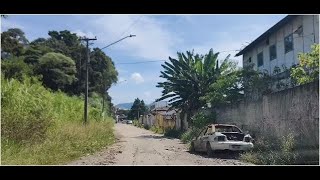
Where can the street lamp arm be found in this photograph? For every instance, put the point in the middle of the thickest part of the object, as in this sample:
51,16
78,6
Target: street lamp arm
118,41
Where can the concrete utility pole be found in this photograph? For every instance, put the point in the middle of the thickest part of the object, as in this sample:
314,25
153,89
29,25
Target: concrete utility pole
87,75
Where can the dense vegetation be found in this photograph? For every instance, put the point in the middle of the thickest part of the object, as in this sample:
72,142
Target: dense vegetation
39,126
42,85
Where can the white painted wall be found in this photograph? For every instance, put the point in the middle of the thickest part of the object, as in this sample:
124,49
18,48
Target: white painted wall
310,24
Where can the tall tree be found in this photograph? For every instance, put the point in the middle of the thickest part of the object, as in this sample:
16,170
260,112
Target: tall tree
58,71
188,79
228,87
13,42
138,108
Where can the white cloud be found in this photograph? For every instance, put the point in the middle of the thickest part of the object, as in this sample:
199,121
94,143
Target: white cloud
137,78
82,34
153,40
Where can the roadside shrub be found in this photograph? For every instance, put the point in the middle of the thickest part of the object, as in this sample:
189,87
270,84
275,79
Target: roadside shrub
95,114
187,136
42,127
201,119
137,123
272,153
251,157
172,133
64,143
157,129
146,127
25,110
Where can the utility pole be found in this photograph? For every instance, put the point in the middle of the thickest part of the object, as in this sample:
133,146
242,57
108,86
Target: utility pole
87,75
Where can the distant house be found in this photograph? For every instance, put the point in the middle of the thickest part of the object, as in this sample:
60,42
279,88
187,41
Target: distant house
278,47
160,115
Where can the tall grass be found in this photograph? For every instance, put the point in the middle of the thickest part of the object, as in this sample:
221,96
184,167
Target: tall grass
271,151
43,127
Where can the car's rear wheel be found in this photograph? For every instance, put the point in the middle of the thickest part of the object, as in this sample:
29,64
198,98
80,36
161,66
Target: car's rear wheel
209,150
192,148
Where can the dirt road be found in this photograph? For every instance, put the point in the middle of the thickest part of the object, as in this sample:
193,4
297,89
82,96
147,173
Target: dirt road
136,146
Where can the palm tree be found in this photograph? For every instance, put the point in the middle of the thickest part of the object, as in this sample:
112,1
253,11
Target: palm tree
188,79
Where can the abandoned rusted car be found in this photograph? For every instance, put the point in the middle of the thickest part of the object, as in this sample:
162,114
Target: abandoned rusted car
217,137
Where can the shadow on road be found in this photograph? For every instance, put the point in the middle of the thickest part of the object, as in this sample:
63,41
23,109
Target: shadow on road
220,155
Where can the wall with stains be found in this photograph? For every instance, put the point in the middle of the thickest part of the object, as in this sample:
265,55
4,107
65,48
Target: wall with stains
294,110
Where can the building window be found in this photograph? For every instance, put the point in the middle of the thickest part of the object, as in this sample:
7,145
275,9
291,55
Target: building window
273,52
288,43
249,60
260,59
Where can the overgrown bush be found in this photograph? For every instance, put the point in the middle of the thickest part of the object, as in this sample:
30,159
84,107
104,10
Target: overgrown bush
201,119
137,123
157,129
172,133
42,127
272,152
187,136
198,122
26,111
146,127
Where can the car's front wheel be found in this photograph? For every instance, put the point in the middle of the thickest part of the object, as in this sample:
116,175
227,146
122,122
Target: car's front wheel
209,150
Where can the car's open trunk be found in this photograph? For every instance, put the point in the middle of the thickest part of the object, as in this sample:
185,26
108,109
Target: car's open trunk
234,136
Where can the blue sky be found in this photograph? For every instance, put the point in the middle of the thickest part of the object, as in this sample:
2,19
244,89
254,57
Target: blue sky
157,38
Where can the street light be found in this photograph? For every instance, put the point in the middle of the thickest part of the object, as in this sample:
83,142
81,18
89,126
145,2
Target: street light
118,41
88,60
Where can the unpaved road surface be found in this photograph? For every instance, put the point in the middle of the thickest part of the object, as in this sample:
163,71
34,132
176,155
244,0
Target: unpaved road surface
136,146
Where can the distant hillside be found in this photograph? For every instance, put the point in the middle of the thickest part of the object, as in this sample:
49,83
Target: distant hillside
124,105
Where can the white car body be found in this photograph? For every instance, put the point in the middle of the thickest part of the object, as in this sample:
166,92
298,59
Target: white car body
211,140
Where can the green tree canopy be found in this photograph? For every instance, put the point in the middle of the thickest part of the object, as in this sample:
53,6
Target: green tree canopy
58,71
308,69
12,42
188,79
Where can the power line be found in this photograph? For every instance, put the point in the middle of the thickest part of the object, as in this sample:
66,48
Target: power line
306,36
228,51
141,62
130,26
